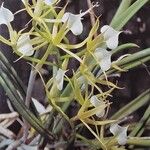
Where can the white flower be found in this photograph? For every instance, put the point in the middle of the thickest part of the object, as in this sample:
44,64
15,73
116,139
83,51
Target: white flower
6,16
103,57
96,102
73,22
24,45
60,78
110,36
120,132
48,2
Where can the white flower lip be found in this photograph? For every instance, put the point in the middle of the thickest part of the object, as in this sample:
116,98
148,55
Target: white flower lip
120,132
96,102
110,36
73,22
48,2
103,57
60,79
6,16
24,45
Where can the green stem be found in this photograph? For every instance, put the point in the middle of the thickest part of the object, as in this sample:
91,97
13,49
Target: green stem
139,141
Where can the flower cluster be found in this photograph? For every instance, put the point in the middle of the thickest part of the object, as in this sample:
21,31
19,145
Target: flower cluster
50,34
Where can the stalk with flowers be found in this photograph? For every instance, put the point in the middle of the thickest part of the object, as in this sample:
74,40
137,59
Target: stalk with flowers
49,126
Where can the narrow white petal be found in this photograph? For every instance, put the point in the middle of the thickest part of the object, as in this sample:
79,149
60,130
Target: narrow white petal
24,45
73,23
60,79
77,27
104,58
24,1
39,107
120,132
110,36
48,2
6,16
96,102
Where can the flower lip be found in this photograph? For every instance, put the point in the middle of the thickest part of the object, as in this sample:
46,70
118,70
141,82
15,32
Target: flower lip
48,2
103,57
6,16
60,79
120,132
110,36
73,23
24,45
96,102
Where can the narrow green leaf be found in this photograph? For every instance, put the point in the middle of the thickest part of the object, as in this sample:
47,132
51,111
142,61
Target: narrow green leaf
135,56
122,7
18,103
124,46
142,123
139,141
133,105
124,17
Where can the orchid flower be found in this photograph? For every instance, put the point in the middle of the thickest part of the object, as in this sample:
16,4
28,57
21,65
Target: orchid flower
60,79
74,21
103,57
96,102
120,132
24,45
6,16
110,36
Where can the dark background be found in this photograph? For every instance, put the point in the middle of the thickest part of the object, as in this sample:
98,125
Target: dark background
134,81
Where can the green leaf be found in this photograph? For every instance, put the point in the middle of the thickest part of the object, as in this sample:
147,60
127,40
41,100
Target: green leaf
121,20
134,57
122,7
139,141
12,72
124,46
139,128
16,93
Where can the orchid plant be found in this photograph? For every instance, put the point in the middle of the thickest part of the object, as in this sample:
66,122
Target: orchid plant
43,125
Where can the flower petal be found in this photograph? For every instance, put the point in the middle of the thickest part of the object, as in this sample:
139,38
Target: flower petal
39,107
77,27
24,45
96,102
48,2
60,79
120,132
73,23
104,58
110,36
6,16
112,42
122,138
